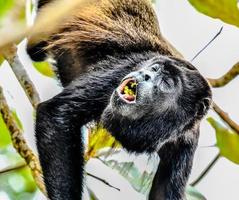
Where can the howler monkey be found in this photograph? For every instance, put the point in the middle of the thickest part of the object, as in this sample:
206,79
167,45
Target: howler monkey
117,69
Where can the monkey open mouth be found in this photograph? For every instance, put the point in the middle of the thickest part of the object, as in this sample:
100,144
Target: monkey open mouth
128,90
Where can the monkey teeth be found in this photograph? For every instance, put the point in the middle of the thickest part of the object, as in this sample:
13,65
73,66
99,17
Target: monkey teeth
127,90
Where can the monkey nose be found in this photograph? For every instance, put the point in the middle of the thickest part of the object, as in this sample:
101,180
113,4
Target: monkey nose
146,75
141,76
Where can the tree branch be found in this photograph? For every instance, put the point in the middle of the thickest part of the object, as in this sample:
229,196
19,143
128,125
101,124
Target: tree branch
226,78
233,125
19,142
10,55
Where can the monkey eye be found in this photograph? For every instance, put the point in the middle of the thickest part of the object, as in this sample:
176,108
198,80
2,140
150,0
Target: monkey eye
155,67
167,85
169,82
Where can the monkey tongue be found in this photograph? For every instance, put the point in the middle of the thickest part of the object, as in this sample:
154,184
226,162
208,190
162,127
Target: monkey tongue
129,98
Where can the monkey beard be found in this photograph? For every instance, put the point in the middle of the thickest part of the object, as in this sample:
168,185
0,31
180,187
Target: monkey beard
146,134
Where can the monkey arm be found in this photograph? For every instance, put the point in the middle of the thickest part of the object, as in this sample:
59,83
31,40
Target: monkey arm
176,160
58,125
60,149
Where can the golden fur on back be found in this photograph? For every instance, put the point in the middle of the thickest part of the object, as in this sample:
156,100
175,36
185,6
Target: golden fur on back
128,24
99,29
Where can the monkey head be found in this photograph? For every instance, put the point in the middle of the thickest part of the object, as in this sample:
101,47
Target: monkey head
161,101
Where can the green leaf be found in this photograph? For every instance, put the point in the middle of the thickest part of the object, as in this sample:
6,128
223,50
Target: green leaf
18,184
30,185
99,138
140,181
227,141
10,157
92,195
44,68
18,121
193,194
1,57
226,10
5,6
5,138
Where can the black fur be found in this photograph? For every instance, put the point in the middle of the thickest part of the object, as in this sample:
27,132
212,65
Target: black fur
172,98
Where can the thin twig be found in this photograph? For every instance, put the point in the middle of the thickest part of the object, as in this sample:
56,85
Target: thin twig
11,56
19,142
102,180
226,78
206,170
233,125
13,168
218,33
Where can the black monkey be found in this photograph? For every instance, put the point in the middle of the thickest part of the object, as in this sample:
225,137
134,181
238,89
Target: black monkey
117,69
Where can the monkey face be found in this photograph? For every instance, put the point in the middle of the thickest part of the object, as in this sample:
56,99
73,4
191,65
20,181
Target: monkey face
157,103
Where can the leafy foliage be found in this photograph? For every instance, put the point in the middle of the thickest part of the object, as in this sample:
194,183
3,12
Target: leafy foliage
5,6
16,181
140,181
193,194
1,59
99,138
92,195
18,121
5,138
227,141
226,10
18,184
44,68
12,11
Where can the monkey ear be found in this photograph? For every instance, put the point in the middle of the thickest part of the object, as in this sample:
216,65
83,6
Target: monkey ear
203,107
